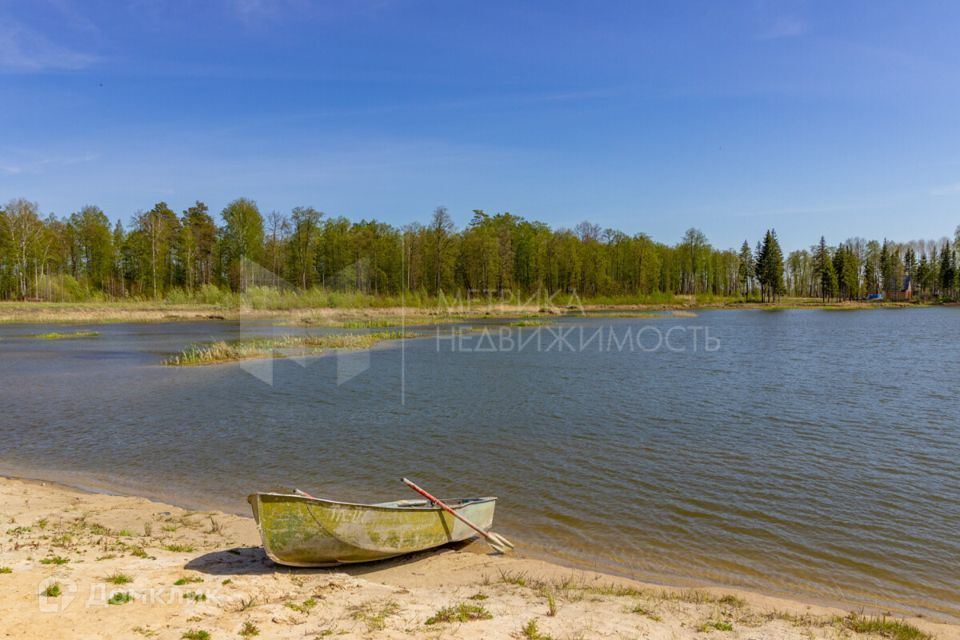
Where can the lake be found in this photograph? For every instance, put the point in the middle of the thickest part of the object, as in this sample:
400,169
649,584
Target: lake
806,453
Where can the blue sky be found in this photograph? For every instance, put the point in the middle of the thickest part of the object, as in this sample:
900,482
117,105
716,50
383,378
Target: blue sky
810,117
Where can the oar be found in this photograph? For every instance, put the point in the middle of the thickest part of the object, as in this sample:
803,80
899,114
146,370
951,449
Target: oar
495,540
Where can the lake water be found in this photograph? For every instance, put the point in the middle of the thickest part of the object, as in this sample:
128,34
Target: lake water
807,453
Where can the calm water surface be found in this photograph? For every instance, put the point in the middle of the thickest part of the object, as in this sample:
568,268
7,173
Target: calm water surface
814,453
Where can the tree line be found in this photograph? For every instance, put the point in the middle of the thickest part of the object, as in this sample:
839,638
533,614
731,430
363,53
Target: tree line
160,253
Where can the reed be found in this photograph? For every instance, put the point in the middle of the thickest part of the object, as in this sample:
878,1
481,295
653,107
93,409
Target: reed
891,628
221,352
53,335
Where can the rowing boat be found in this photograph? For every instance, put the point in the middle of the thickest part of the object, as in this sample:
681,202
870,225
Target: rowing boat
299,530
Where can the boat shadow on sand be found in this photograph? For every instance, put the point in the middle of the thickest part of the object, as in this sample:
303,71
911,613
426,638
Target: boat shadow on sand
240,561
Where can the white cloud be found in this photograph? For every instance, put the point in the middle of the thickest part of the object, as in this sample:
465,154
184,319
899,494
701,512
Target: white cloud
27,162
24,50
946,190
784,27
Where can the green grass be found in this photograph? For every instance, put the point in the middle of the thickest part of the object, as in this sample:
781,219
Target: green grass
307,605
375,615
715,625
179,548
120,597
551,604
643,610
221,352
463,612
54,560
53,335
118,578
196,597
53,590
249,630
531,631
530,323
196,634
187,580
884,627
732,601
5,570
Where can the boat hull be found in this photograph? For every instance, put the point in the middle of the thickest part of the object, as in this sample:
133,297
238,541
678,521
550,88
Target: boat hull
301,531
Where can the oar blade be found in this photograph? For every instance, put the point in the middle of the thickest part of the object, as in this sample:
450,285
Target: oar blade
498,542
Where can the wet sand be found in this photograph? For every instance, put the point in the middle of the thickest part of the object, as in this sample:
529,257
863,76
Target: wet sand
190,572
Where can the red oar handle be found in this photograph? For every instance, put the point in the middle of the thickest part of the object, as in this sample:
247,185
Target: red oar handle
443,506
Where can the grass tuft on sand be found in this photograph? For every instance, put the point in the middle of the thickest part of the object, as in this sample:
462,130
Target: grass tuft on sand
531,631
233,351
884,627
375,615
463,612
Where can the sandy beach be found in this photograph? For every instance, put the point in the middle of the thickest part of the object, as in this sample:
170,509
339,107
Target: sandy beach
83,565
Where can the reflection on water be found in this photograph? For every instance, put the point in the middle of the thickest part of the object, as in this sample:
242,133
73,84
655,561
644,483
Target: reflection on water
813,453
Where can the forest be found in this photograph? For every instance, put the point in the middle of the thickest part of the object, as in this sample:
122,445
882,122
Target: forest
194,255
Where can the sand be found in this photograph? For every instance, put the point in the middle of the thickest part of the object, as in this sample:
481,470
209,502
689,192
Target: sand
204,573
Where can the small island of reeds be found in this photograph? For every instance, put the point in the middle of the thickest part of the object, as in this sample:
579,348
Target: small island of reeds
254,348
54,335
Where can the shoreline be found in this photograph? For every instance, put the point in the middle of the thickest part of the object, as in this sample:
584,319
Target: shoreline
218,554
80,313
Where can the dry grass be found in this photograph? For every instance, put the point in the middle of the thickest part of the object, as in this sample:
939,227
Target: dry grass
221,352
463,612
883,627
53,335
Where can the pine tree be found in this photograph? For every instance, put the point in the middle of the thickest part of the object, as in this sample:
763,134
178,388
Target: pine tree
946,270
760,265
826,271
745,270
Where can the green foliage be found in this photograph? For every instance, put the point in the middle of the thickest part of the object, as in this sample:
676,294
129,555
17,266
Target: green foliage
120,598
884,627
306,259
643,610
194,596
53,590
220,352
187,580
463,612
195,634
715,625
5,570
375,615
249,630
118,578
54,560
307,605
531,631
